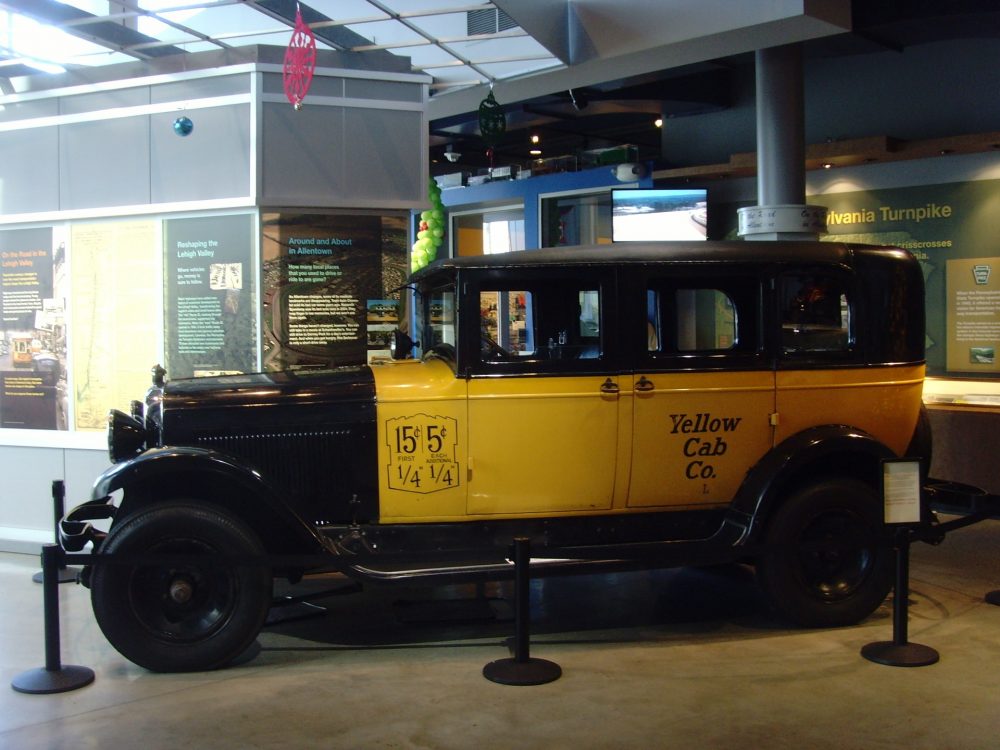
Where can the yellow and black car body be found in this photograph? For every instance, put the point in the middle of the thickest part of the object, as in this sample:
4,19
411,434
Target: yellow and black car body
647,404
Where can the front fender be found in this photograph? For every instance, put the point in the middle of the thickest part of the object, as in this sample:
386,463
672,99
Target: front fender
818,451
192,472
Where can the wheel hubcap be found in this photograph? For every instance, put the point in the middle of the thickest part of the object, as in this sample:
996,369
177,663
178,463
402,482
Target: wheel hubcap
181,591
183,604
835,555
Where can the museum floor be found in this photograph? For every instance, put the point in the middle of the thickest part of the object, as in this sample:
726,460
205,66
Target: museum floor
683,658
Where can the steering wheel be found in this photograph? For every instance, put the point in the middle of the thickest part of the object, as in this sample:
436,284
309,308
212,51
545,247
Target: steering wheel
490,349
442,350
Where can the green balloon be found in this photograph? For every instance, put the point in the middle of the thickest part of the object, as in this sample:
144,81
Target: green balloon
425,215
423,233
438,214
438,233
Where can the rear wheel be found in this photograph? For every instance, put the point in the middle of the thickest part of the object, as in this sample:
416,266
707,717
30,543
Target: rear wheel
826,561
189,612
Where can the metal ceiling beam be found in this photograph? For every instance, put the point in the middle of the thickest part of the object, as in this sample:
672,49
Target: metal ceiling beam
436,42
108,34
338,37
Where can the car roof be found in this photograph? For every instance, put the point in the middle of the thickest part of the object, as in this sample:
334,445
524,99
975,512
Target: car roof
758,252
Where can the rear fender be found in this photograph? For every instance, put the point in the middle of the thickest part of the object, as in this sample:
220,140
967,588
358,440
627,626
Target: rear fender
212,477
829,450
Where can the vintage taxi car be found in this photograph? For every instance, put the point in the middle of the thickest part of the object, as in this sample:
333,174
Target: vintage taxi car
649,404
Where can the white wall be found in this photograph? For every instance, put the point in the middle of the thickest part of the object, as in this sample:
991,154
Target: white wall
26,509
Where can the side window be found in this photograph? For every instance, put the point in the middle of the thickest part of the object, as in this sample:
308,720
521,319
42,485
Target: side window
815,313
540,321
503,326
688,320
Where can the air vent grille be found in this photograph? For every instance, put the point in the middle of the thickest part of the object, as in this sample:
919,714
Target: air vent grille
489,21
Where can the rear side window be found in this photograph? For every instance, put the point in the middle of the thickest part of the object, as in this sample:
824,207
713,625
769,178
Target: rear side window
690,320
702,321
816,312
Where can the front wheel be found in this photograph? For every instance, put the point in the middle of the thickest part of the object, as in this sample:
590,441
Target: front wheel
190,611
826,562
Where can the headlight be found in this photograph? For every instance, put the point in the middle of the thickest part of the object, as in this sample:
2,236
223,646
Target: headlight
126,436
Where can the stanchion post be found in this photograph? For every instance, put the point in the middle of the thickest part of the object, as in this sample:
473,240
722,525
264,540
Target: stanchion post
522,669
63,574
54,677
902,500
901,598
522,601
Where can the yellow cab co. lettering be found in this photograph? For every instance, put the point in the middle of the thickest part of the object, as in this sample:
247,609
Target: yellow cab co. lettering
705,441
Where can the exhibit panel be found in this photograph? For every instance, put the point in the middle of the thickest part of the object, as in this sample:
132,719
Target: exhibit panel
331,287
209,296
114,300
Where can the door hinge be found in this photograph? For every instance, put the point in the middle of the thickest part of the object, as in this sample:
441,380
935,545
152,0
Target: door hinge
774,418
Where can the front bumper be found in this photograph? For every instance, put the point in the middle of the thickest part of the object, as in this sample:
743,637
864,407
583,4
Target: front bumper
76,528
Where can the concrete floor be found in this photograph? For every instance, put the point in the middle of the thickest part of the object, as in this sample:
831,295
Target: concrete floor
684,658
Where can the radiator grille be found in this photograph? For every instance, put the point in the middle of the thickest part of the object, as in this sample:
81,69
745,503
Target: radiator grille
318,468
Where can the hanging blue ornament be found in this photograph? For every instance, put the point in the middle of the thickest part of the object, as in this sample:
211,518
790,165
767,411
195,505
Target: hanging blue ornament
183,126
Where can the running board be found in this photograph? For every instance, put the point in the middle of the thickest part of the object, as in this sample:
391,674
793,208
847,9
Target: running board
489,571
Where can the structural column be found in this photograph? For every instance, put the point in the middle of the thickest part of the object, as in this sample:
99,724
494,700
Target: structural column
781,212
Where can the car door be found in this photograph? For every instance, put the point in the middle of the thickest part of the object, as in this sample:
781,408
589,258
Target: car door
702,392
543,398
823,376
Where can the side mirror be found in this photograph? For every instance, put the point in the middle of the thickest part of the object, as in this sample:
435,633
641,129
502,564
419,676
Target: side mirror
401,345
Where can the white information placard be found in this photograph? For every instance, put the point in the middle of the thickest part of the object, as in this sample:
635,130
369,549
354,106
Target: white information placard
901,491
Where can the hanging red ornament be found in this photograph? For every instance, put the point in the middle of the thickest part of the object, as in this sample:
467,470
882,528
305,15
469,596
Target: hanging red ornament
300,61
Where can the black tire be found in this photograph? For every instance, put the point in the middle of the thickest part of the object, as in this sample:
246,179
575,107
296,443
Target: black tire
181,617
826,562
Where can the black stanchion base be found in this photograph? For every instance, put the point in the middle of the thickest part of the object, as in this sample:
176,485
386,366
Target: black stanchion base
895,654
514,672
66,575
993,598
45,681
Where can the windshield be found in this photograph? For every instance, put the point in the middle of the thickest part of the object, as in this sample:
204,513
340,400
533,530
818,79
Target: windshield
438,322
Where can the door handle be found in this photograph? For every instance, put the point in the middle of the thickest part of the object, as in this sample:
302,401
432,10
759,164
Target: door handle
644,384
609,386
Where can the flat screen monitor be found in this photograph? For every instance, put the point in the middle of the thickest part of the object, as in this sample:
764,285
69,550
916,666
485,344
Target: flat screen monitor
651,214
